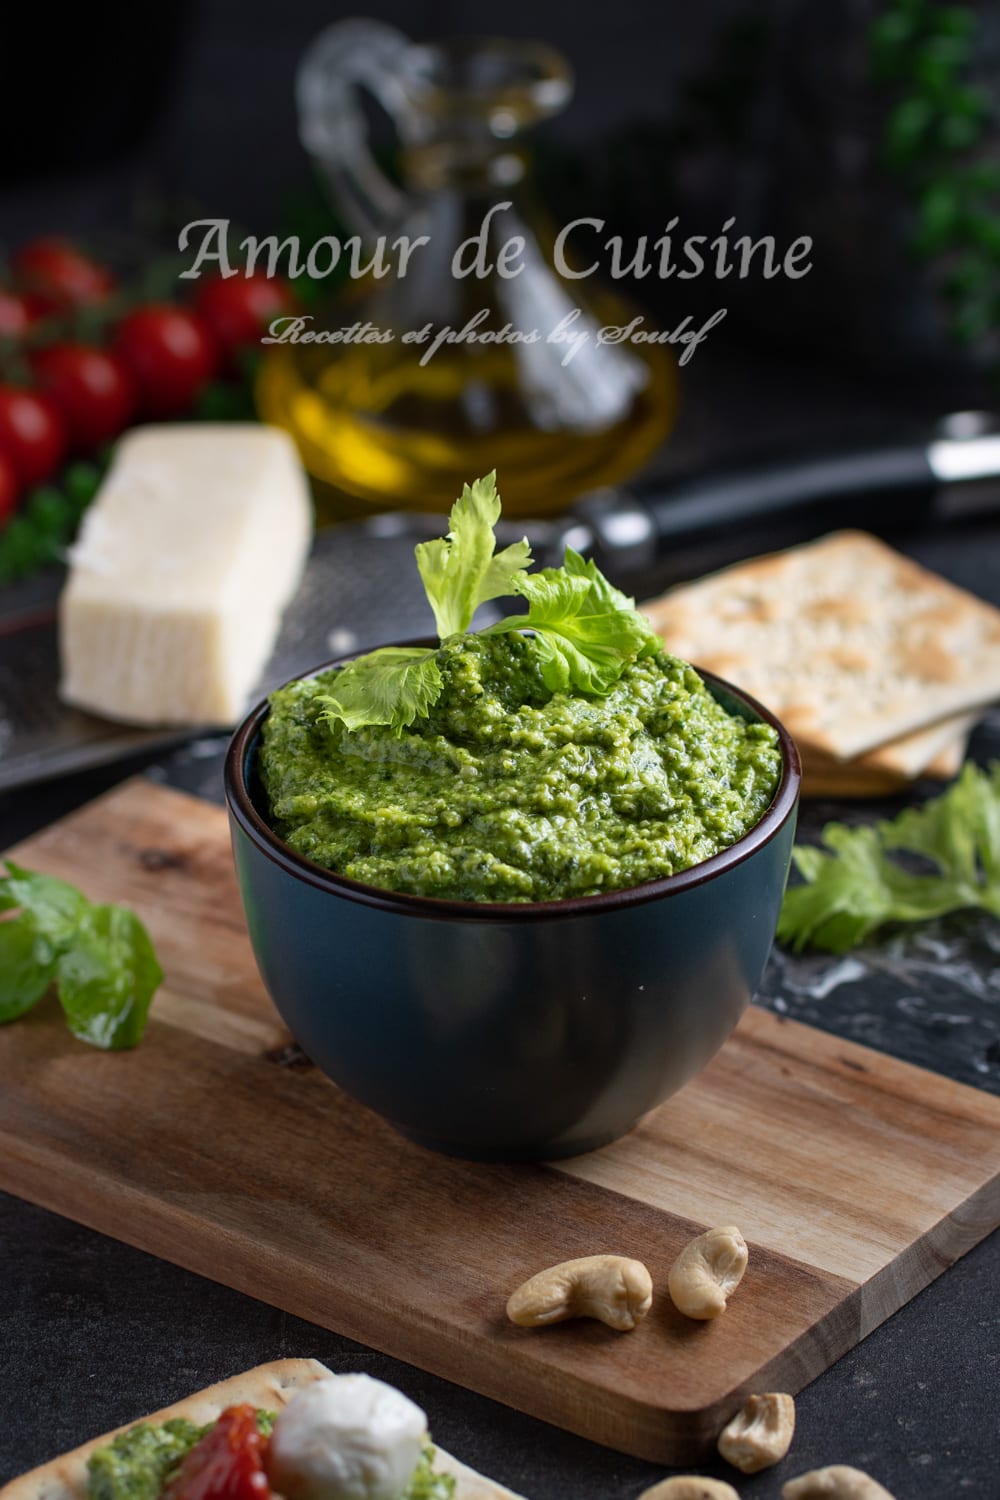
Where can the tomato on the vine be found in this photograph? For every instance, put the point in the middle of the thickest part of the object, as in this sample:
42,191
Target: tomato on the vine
237,309
226,1464
170,354
91,387
9,488
58,270
32,433
20,311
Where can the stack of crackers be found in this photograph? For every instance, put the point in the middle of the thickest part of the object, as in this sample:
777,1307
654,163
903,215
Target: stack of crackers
878,667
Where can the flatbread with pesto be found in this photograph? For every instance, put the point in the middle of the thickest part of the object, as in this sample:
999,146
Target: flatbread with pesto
850,643
269,1387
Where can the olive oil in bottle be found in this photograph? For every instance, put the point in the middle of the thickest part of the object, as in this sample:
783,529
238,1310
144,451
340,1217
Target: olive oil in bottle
462,363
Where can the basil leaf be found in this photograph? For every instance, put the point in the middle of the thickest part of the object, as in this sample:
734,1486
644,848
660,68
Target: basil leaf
463,570
27,966
108,977
392,686
55,905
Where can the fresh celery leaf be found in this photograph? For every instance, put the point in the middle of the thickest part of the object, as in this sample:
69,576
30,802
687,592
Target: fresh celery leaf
108,977
27,966
602,595
586,630
463,570
55,905
392,686
959,831
856,882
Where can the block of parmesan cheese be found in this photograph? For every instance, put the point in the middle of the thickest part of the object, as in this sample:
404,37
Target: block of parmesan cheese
186,558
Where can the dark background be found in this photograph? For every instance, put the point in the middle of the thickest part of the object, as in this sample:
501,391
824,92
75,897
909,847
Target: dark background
118,119
119,123
208,85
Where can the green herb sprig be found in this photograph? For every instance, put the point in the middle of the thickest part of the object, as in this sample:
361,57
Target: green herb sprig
935,145
586,631
38,535
860,884
100,959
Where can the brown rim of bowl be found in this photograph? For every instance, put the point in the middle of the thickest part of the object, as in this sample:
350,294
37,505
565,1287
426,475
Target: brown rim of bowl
436,907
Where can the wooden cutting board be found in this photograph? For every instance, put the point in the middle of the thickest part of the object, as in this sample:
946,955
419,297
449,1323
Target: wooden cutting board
855,1178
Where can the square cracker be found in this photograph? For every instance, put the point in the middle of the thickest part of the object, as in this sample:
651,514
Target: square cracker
865,778
937,751
847,641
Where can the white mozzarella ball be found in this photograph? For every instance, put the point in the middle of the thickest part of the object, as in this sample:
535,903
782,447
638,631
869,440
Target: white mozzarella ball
346,1438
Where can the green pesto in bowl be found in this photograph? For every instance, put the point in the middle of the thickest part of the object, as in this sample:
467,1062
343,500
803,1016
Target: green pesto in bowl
507,791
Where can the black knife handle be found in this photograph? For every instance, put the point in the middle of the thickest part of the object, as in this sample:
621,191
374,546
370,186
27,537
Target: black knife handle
879,488
898,481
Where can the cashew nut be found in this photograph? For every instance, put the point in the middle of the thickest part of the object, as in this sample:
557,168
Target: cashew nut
838,1482
613,1289
690,1487
707,1271
761,1434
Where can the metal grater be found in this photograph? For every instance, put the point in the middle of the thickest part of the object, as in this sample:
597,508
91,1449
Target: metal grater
360,589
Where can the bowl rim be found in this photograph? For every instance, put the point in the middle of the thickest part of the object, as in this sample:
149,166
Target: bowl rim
241,807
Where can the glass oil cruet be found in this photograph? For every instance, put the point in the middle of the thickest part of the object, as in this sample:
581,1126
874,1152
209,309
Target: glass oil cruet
388,430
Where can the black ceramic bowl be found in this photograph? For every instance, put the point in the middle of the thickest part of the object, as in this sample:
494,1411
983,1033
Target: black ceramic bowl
512,1031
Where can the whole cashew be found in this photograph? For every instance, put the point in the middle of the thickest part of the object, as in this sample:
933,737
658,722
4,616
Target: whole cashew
838,1482
611,1288
707,1271
761,1434
690,1487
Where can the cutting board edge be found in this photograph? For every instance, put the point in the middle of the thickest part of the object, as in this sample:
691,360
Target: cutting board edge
941,1247
656,1434
659,1434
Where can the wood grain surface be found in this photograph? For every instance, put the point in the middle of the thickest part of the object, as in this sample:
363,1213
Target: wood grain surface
855,1178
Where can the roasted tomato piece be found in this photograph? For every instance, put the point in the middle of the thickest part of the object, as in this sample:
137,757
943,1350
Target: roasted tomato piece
226,1464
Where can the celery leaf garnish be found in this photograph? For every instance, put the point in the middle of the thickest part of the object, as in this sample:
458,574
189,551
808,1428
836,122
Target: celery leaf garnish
586,631
463,570
856,883
391,686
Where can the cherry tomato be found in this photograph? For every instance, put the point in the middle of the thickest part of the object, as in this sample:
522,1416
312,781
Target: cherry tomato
237,309
32,433
170,354
20,311
91,387
226,1464
56,269
9,488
